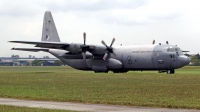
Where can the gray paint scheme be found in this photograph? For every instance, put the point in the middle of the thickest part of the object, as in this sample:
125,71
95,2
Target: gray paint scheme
138,57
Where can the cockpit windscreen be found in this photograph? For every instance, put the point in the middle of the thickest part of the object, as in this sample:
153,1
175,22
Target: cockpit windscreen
177,50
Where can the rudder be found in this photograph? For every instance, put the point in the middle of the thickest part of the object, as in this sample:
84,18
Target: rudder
49,31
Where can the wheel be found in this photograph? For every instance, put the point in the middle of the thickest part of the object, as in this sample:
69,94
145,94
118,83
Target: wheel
170,71
120,71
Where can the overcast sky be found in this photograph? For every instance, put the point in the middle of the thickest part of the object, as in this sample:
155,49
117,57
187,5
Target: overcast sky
129,21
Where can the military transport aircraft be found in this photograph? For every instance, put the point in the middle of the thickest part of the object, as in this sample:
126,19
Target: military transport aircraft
161,57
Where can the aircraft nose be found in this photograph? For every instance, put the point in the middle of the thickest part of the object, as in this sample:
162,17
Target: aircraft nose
183,60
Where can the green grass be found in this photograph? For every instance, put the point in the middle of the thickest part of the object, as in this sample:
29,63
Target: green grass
180,90
5,108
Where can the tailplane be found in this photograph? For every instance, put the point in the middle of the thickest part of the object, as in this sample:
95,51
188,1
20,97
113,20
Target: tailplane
49,31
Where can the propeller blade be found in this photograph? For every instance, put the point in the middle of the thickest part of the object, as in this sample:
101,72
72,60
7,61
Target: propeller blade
112,42
105,56
84,55
84,37
167,42
104,43
114,55
153,42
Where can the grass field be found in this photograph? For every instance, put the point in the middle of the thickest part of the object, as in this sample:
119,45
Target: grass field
180,90
5,108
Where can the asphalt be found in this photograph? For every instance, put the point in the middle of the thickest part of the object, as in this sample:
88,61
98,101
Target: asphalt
85,107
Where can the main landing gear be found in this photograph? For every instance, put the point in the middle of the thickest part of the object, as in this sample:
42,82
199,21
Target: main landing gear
170,71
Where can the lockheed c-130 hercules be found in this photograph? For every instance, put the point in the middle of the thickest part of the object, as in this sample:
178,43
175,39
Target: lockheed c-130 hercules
161,57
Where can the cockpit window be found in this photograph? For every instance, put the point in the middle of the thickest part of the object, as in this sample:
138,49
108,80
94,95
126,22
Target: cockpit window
180,51
176,49
170,49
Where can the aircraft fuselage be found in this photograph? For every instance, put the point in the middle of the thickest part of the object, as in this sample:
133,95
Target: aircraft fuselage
137,57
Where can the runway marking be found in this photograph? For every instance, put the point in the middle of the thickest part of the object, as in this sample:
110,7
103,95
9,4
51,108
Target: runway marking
85,107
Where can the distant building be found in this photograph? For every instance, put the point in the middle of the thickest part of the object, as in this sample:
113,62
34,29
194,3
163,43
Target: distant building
6,62
13,61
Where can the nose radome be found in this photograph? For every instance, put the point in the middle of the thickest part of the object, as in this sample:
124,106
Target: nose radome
184,60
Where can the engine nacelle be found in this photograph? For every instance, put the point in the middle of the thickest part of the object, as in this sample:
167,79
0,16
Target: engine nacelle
76,56
73,48
102,66
114,64
99,69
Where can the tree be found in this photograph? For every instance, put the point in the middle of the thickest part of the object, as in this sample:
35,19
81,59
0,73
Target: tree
15,56
37,63
195,60
58,63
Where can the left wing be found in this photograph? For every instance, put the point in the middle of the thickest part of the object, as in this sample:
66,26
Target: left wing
31,49
45,44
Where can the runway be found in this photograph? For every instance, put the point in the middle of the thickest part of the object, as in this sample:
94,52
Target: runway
85,107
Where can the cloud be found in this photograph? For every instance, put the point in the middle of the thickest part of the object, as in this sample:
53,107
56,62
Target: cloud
19,8
93,5
130,21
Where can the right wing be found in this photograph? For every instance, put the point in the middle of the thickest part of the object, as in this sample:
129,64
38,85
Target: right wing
45,44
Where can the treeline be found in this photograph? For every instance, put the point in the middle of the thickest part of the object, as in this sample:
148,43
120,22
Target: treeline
195,60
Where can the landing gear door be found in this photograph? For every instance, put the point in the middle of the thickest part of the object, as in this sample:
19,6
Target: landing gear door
172,63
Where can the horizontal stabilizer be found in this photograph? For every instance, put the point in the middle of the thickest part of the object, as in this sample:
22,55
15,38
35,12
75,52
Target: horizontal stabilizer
185,51
45,44
31,49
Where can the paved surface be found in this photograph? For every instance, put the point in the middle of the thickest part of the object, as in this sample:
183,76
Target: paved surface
85,107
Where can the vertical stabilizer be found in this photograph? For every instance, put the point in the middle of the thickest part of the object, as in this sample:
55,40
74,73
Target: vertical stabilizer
49,31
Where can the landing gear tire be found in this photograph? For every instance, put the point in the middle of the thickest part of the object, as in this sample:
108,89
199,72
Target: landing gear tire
170,71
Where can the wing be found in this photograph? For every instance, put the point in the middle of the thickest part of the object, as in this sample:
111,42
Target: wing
44,44
31,49
96,51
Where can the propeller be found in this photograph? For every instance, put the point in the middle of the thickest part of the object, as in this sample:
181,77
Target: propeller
84,47
109,49
153,42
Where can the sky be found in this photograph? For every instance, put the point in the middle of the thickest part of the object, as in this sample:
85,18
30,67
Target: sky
131,22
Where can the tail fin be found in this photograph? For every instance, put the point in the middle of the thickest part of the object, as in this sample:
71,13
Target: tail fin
49,31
